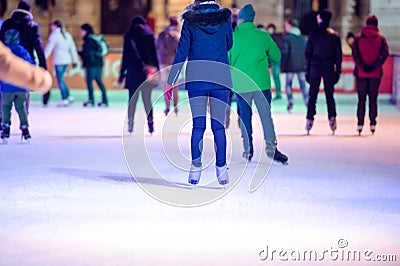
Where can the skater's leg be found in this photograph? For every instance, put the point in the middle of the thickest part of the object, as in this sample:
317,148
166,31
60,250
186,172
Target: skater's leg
7,102
146,97
218,106
329,83
244,101
90,73
98,72
198,105
373,99
60,71
46,98
164,73
175,99
301,76
19,101
133,97
361,84
261,100
288,87
276,71
315,80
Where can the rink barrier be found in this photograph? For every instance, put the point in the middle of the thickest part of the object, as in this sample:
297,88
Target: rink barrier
75,77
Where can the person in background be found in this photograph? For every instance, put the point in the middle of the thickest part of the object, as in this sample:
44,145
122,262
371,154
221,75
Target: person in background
3,9
93,64
63,48
293,60
29,31
139,54
350,38
323,61
167,43
370,51
14,94
251,53
206,35
276,66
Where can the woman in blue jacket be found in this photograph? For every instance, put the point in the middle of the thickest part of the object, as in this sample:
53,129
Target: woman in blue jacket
205,41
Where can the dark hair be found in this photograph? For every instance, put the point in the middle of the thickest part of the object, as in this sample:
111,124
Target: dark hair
293,22
271,25
350,35
372,20
88,28
25,5
59,25
173,21
260,26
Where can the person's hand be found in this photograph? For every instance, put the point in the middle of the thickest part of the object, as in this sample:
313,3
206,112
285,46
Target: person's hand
168,91
74,65
368,68
307,77
337,76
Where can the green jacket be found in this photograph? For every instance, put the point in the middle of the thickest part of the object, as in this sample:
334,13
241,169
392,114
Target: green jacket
252,50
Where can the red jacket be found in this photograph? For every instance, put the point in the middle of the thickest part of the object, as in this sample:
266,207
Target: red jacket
370,52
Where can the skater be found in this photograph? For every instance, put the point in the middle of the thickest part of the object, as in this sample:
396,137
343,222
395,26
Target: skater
138,56
293,60
12,94
63,48
259,49
276,66
370,52
22,20
323,61
167,43
206,35
93,63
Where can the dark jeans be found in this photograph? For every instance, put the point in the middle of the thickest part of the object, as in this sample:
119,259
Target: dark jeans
329,83
198,100
146,97
262,99
301,76
19,100
370,87
95,73
60,71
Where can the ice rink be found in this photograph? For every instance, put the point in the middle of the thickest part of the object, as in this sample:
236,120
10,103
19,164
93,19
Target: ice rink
68,197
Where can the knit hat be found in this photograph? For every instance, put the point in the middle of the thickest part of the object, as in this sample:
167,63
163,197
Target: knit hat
25,5
88,28
372,20
11,37
325,15
247,13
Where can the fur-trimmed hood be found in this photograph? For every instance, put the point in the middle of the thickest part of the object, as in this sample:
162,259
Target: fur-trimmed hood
208,17
21,16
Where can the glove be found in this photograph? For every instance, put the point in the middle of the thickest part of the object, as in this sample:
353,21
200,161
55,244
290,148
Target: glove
337,76
368,68
307,77
168,91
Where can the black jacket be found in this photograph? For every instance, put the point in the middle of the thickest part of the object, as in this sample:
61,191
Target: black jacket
324,51
293,48
139,50
29,31
89,59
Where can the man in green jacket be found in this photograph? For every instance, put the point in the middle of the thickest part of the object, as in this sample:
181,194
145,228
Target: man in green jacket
252,48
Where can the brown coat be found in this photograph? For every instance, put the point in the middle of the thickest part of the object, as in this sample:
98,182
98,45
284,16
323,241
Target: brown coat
18,72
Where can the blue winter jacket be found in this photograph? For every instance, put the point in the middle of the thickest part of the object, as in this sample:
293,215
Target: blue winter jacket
206,36
21,52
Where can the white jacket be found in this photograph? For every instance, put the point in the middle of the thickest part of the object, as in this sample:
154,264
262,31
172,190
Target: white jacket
63,49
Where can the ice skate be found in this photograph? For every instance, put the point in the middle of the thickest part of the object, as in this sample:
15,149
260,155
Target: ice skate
130,127
248,154
332,124
151,127
25,135
275,154
70,99
166,111
100,104
88,103
290,107
194,175
63,103
5,134
309,125
372,128
222,175
359,129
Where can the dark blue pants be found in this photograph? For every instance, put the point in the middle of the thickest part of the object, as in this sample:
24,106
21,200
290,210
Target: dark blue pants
95,73
367,87
198,100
